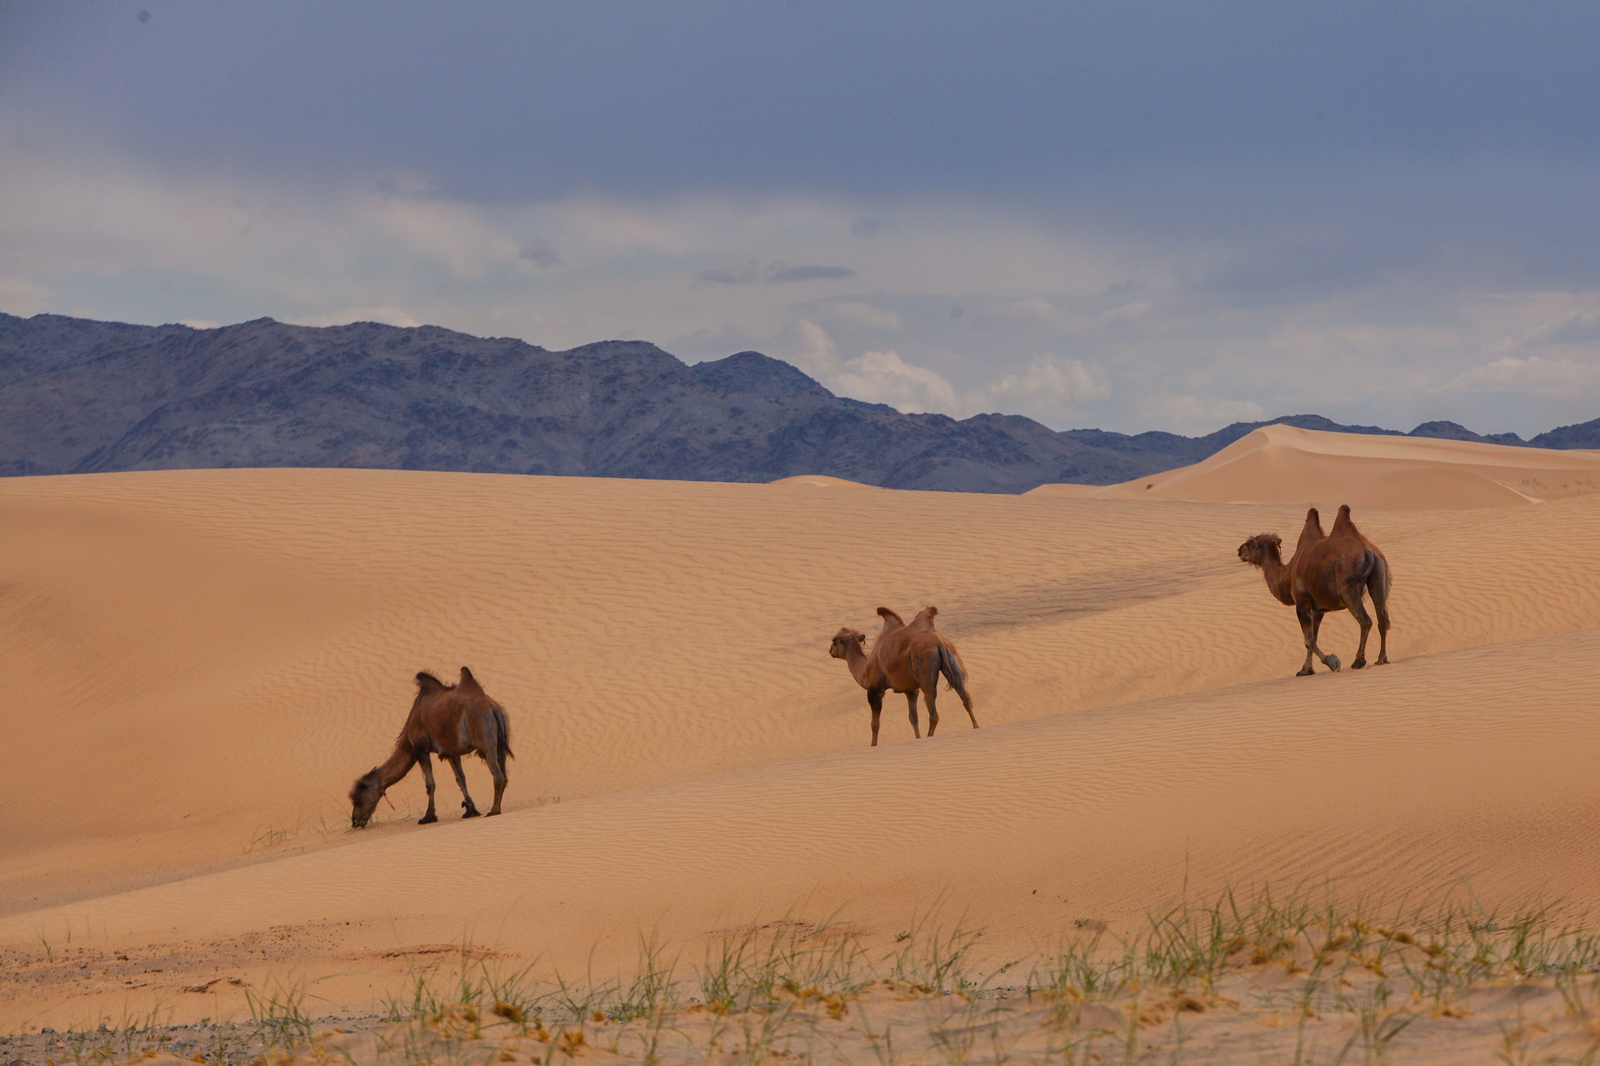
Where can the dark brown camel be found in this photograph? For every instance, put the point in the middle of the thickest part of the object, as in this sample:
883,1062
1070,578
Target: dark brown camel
1328,574
448,721
905,658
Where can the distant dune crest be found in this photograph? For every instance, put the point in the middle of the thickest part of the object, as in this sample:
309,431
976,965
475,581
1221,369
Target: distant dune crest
1283,465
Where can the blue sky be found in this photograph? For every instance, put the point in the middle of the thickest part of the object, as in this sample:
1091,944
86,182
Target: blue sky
1125,215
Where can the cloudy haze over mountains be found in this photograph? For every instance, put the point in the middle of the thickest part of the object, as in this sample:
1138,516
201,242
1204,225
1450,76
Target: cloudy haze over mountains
1162,216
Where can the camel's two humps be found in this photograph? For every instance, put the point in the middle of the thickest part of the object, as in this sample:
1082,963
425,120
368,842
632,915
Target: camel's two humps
905,658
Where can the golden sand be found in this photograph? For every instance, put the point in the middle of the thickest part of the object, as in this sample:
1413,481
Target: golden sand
203,661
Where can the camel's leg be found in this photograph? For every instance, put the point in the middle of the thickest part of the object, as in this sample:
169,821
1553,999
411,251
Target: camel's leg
471,810
427,777
933,705
1310,623
1304,614
1378,585
1358,611
951,668
497,767
1330,660
875,701
486,741
966,700
911,702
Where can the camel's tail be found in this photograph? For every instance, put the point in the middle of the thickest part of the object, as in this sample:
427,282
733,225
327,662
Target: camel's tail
504,730
1373,572
950,667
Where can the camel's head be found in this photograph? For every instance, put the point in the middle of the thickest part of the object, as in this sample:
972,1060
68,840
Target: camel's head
1259,548
844,640
364,797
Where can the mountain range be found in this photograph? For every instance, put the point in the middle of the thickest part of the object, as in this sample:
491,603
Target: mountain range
78,395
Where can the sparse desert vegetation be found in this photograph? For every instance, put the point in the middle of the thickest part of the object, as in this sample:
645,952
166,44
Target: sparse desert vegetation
1297,978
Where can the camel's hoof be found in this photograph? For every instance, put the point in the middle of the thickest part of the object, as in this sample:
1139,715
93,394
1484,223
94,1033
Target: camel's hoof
1307,672
491,814
1358,664
472,812
1333,663
428,819
1383,660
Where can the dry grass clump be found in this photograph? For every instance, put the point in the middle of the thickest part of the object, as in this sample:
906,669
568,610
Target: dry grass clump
1281,978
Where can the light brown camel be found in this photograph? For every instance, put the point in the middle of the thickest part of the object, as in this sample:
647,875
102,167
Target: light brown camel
1329,574
905,658
448,721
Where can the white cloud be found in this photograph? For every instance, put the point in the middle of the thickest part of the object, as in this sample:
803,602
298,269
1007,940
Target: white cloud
1036,308
875,377
84,231
816,354
1050,390
1574,329
883,377
198,323
1551,377
19,296
1052,382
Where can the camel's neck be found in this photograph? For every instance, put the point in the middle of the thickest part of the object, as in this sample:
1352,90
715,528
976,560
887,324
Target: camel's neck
1277,575
397,765
856,660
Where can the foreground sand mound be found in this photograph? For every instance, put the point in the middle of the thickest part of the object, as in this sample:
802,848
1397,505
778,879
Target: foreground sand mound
219,653
1281,464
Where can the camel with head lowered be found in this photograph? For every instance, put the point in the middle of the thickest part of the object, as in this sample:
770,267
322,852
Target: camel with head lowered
905,658
1327,573
448,721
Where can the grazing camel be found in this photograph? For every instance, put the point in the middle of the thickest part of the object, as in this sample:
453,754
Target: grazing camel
448,721
905,658
1328,574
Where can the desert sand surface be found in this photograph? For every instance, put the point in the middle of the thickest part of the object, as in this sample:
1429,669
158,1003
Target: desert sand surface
1282,464
203,661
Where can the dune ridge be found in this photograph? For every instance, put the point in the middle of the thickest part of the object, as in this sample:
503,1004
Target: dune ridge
1282,464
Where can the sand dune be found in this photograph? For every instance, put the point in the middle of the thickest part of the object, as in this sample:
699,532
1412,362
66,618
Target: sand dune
1281,464
820,481
219,653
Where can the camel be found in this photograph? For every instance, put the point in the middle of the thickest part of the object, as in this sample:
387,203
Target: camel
905,658
1327,573
448,721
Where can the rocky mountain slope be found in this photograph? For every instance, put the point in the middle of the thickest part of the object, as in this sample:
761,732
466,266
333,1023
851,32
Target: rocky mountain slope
79,395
